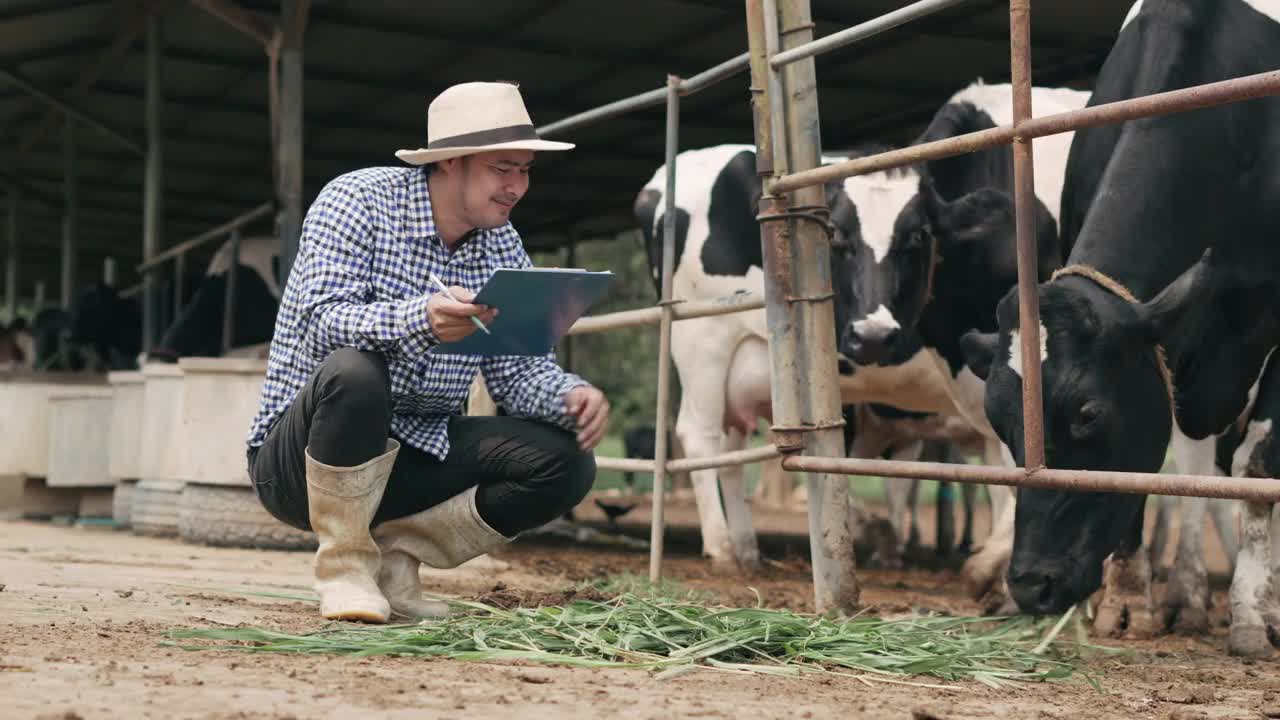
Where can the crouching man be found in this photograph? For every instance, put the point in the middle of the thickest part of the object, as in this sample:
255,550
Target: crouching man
359,435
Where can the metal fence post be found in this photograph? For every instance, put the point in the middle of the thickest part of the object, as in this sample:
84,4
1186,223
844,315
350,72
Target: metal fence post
1025,219
151,200
796,251
658,524
11,262
229,301
70,213
179,283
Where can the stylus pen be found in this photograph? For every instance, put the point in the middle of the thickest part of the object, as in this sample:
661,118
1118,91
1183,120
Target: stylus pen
474,320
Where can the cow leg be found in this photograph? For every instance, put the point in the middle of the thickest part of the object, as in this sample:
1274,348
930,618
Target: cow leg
1186,599
1160,531
742,534
945,535
897,493
1254,609
968,494
1126,609
984,572
1224,512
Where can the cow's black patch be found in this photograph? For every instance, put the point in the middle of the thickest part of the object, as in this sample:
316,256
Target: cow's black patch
733,246
956,176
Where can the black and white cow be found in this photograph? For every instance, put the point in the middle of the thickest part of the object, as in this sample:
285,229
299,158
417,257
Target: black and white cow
723,362
103,330
1143,204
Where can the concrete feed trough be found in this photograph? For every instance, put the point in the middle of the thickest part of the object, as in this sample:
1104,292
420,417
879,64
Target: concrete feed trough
220,398
124,458
24,427
163,455
79,435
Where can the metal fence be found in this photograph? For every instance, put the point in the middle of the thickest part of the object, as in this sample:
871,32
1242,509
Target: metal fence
230,230
807,423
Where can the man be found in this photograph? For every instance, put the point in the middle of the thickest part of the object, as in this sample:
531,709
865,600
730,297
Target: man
359,436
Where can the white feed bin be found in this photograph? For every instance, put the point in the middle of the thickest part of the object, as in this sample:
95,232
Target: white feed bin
24,425
220,399
124,461
163,456
79,437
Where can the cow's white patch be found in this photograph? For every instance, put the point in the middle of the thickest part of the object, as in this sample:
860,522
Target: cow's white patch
1133,13
1270,8
1256,432
1050,151
881,319
879,199
1015,349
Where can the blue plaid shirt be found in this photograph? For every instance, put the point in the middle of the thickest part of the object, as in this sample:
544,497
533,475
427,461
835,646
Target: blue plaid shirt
360,280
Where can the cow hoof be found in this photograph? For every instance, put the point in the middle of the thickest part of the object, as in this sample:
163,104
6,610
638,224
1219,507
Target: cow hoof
1130,618
1252,641
1187,620
981,574
996,602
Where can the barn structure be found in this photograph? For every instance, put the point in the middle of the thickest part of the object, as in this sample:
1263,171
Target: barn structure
131,126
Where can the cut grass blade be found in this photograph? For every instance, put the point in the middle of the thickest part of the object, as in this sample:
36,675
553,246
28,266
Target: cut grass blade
675,636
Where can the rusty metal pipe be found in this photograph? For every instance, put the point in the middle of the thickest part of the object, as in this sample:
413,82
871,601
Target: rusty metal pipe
1193,98
737,457
658,525
208,236
1099,481
1024,197
640,317
862,31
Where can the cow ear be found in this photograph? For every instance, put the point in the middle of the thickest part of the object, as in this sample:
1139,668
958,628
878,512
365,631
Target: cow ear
979,351
1169,311
980,214
930,201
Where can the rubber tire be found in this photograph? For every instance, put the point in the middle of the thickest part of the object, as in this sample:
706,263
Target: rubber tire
230,516
122,502
154,510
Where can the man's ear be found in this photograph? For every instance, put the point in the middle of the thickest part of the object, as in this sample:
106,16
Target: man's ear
979,351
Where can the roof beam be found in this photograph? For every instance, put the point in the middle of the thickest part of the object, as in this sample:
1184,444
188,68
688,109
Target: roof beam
246,21
33,8
132,16
68,108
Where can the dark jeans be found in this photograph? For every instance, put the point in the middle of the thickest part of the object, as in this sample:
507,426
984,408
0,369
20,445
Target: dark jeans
528,472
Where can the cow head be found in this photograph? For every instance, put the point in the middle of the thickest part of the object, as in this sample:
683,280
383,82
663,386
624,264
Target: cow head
1108,406
893,267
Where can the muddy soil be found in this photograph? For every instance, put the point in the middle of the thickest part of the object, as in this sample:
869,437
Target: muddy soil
85,611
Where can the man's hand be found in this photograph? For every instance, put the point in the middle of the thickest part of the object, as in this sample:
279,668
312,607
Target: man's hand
449,318
591,409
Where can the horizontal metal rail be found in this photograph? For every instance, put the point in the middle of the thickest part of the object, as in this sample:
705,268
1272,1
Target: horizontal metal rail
1193,98
208,236
862,31
649,99
741,302
1099,481
729,459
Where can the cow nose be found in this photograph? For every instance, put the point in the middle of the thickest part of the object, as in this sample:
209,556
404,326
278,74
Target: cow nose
871,345
1040,593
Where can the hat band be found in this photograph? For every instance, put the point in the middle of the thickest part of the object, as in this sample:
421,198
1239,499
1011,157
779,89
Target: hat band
510,133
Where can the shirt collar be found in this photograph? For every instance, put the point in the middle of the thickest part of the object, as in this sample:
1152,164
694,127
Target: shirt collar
420,222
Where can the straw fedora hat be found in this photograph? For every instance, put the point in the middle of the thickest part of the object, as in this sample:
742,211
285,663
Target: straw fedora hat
477,117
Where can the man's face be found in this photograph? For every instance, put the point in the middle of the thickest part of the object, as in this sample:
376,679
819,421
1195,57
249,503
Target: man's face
490,184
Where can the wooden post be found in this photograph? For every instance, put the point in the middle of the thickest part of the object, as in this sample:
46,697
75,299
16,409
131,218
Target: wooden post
289,136
70,213
798,299
109,272
38,303
11,261
152,199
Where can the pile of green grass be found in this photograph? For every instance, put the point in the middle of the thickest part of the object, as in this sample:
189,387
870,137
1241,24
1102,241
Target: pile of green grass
673,636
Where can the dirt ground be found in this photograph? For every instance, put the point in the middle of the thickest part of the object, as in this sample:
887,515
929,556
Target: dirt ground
85,610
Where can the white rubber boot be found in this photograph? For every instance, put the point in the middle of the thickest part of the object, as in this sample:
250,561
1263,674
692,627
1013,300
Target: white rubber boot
342,502
444,536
